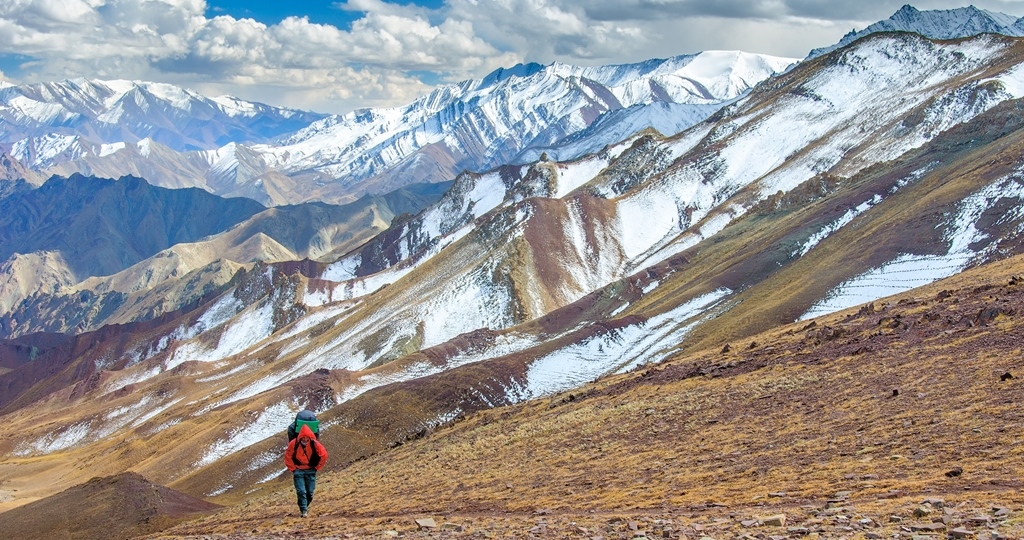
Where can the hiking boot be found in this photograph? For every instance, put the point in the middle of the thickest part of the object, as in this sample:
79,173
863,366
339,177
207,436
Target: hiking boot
304,514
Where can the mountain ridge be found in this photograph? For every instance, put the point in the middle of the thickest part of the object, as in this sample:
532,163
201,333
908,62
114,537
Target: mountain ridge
937,24
125,112
475,125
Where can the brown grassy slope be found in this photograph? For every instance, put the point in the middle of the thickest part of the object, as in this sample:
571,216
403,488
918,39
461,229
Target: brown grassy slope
121,506
880,403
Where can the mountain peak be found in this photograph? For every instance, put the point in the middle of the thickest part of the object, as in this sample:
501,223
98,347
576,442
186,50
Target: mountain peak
937,24
518,70
907,12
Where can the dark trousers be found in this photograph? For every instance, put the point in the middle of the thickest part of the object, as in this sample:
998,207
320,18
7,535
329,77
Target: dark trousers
305,483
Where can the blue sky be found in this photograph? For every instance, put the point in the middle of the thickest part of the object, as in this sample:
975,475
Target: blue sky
269,13
336,56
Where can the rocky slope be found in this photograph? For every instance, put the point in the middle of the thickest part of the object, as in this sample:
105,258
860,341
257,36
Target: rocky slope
896,419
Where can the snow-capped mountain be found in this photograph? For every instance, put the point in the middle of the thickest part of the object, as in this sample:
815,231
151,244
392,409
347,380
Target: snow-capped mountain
115,113
480,124
937,24
94,128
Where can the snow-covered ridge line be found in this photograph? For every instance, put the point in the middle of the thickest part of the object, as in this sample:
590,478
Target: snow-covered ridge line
937,24
120,111
513,108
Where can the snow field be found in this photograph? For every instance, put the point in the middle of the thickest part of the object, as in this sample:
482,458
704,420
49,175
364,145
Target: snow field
273,420
647,218
466,303
575,174
1012,81
909,271
617,350
244,331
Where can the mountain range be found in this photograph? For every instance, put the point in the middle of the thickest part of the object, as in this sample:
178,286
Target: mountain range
276,156
614,219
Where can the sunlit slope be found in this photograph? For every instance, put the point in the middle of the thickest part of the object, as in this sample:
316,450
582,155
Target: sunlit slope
868,421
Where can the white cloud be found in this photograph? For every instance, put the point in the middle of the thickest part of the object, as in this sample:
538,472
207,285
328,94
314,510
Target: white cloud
378,61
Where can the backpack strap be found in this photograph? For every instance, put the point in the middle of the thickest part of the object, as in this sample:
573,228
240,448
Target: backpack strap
314,459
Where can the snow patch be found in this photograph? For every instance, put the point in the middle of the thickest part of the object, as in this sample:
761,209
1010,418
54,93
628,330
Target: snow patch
145,147
909,271
108,149
273,420
617,350
56,441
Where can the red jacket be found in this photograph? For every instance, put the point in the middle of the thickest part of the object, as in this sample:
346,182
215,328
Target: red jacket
305,452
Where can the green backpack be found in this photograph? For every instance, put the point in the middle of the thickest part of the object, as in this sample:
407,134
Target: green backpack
314,426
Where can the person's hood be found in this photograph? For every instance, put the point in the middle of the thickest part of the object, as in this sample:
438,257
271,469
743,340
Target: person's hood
306,433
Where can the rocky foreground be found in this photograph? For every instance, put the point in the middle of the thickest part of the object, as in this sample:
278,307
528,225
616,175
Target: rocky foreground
926,519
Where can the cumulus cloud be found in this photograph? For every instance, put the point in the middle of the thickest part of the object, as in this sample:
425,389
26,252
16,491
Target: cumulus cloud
380,58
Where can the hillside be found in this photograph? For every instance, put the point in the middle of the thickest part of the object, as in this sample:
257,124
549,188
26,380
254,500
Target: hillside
118,507
897,418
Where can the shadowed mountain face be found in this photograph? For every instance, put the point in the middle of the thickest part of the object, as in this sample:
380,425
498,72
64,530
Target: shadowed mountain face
114,507
98,227
102,226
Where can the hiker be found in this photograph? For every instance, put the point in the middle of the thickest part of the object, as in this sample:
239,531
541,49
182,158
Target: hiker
304,457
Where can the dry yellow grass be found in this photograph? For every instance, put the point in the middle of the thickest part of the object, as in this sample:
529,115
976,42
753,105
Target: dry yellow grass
881,404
